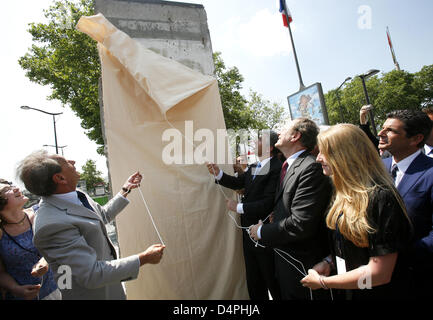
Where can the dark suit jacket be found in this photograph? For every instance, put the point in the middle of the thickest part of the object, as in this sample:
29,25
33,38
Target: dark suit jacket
299,214
258,199
416,189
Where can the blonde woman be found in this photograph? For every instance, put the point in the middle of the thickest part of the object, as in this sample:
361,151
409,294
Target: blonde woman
369,226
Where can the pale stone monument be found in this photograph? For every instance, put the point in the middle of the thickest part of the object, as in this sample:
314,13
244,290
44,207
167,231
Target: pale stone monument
175,30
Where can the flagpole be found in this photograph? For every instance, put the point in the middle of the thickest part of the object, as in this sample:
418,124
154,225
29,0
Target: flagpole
301,84
397,66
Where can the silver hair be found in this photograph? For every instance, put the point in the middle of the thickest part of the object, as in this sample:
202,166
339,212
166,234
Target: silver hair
36,172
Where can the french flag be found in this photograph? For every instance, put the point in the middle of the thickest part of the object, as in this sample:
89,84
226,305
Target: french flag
283,9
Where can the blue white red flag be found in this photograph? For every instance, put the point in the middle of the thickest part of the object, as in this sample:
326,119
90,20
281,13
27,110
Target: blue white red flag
283,10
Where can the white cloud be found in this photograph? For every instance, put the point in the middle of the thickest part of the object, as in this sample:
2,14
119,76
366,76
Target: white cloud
264,35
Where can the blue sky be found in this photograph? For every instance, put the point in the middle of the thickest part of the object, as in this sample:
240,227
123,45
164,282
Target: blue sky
329,42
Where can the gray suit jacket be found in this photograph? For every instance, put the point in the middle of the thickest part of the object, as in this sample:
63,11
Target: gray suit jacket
72,235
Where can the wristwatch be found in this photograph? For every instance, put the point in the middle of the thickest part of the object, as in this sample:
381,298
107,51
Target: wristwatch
329,261
126,190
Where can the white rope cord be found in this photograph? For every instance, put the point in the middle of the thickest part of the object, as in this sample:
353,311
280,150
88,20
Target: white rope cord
304,273
150,215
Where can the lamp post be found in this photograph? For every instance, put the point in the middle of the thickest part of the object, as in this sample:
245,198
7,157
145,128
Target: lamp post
363,77
338,98
54,122
60,147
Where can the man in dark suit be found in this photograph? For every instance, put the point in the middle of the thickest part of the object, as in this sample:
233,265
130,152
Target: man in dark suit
403,135
260,182
301,201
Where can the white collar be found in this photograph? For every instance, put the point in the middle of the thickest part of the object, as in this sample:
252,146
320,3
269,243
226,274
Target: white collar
293,157
428,149
70,197
264,162
405,163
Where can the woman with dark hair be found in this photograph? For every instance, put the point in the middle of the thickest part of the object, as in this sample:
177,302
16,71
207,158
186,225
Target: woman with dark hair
370,229
24,274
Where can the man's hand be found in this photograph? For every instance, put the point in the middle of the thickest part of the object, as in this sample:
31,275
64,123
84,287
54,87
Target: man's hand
213,168
253,230
152,255
323,268
363,113
232,205
132,183
40,268
271,217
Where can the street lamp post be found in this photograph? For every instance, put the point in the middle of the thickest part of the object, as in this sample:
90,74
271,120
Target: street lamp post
338,98
363,77
54,122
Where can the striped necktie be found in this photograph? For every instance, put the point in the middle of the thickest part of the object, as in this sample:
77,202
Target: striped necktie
283,172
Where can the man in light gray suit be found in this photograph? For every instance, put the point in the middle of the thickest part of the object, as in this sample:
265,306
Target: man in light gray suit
70,233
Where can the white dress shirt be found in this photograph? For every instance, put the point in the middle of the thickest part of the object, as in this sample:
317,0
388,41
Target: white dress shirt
240,206
428,150
72,197
403,165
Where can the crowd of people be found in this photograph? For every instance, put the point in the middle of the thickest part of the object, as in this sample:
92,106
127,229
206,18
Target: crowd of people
337,214
351,212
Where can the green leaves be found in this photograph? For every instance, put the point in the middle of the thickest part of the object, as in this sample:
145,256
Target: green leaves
240,113
67,60
91,175
392,91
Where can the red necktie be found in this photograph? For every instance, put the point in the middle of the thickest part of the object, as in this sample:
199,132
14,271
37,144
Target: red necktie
283,172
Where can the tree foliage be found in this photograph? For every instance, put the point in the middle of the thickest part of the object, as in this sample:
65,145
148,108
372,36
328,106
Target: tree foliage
67,60
391,91
239,112
91,175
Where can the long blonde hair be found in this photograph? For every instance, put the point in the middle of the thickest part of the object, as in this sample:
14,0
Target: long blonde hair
357,171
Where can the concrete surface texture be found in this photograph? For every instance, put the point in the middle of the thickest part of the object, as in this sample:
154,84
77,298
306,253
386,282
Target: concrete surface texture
175,30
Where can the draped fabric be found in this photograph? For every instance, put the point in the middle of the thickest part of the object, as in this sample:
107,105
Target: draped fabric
144,95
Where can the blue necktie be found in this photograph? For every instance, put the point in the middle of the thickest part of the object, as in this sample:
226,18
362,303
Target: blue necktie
84,200
256,169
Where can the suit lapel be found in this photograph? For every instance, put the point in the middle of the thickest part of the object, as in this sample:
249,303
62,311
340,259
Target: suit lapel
81,211
250,174
412,174
290,172
72,209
